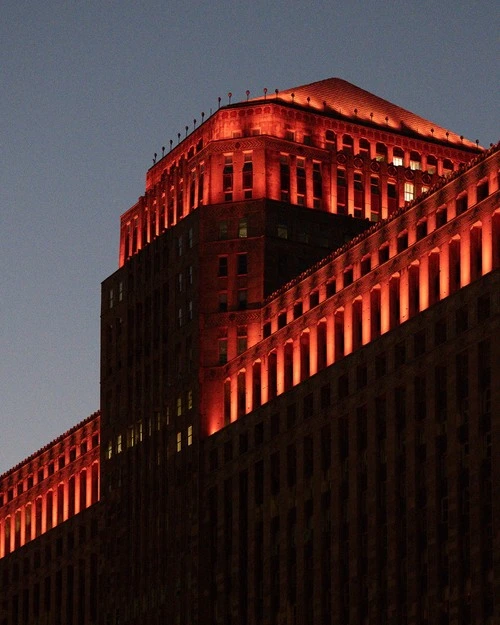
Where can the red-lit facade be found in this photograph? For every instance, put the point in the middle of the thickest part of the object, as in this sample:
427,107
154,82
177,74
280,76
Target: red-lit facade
304,275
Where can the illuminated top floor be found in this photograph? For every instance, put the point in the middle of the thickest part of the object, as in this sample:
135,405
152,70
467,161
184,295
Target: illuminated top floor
321,145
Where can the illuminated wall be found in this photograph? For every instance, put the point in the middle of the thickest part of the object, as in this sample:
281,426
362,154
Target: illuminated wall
427,250
51,486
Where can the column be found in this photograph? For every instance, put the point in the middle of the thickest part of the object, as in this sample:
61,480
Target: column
384,307
444,271
465,256
2,538
264,380
234,397
424,282
404,295
297,361
350,190
330,338
280,369
77,492
487,242
348,328
88,475
313,349
249,388
44,512
23,525
366,321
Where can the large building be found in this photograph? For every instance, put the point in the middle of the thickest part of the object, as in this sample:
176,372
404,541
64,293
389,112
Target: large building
299,421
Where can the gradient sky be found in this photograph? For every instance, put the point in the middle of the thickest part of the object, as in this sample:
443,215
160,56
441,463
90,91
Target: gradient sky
90,90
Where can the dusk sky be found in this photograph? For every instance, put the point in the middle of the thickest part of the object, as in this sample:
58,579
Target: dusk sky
90,90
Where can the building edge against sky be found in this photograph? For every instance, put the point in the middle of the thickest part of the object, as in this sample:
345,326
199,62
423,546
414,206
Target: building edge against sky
293,259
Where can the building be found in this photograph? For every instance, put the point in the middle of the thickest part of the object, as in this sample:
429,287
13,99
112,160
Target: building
298,411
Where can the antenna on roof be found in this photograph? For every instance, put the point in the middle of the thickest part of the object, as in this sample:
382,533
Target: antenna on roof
187,128
202,116
171,143
276,92
477,142
248,94
265,93
162,151
178,137
229,95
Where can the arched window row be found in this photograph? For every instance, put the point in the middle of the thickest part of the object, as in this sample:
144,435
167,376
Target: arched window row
50,508
351,323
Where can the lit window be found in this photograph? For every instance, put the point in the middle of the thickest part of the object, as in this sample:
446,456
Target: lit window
190,400
415,161
120,291
130,437
109,450
243,228
119,444
398,157
179,441
139,432
381,152
409,191
111,298
179,406
190,435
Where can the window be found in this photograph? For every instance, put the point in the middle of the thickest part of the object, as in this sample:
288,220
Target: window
111,298
190,400
190,435
247,175
317,185
409,191
179,282
242,299
283,231
223,264
242,264
285,177
223,301
330,140
243,228
227,178
179,406
347,144
398,157
222,351
301,181
241,343
381,152
190,238
179,441
341,191
415,160
222,230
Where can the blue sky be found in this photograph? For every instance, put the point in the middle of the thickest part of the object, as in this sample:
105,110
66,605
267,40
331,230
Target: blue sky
90,90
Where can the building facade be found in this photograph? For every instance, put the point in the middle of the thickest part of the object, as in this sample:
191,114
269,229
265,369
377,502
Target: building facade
299,420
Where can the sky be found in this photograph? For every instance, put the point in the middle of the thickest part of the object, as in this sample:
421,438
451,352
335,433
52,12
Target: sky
90,90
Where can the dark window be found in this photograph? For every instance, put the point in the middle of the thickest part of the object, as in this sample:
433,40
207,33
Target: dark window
242,265
223,264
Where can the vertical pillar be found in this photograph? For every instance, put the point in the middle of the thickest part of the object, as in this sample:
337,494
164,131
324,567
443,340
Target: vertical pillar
313,349
444,271
77,493
297,361
2,539
404,295
280,369
487,242
44,512
249,388
423,283
366,315
12,524
234,397
384,307
88,475
384,204
330,338
350,190
66,498
264,379
348,327
23,525
465,254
